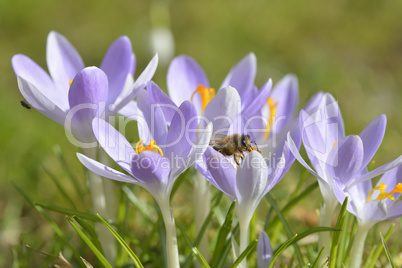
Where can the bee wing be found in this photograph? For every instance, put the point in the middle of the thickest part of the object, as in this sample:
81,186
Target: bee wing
217,138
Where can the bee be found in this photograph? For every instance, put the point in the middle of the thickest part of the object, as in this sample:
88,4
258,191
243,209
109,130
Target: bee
234,145
26,105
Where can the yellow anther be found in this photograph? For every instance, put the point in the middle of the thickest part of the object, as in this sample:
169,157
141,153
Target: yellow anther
334,145
382,195
139,147
397,189
70,82
206,95
272,112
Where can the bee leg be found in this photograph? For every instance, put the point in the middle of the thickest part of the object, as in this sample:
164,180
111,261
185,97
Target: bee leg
235,157
241,152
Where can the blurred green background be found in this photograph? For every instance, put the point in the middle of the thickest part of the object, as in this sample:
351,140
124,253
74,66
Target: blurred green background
352,49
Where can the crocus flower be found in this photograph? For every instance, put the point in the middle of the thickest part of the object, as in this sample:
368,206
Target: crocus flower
52,95
265,254
156,160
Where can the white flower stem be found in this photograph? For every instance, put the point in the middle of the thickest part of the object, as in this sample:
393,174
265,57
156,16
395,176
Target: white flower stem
201,193
244,225
172,251
356,253
100,205
324,238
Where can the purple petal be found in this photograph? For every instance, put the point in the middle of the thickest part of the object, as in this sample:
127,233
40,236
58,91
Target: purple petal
181,135
372,137
105,171
394,211
222,109
154,118
114,143
242,76
40,102
152,170
131,110
376,172
133,64
251,180
285,94
345,159
313,102
222,172
338,190
31,72
139,84
168,106
255,106
116,64
265,252
183,77
62,59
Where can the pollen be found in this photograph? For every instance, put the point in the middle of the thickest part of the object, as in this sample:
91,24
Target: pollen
272,113
382,195
70,82
206,95
140,147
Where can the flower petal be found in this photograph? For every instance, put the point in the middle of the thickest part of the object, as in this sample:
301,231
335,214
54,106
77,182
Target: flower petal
222,110
222,172
31,72
372,137
40,102
285,94
256,104
105,171
117,64
114,143
167,105
62,59
265,253
242,76
131,110
181,135
183,77
345,159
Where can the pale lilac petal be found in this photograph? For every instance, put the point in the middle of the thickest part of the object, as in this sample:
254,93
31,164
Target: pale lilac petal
40,102
153,170
139,84
131,110
116,64
345,160
154,117
222,110
133,64
255,106
265,253
167,105
242,76
341,195
183,77
62,59
376,172
87,98
105,171
285,94
395,210
31,72
222,172
114,143
181,135
372,137
313,102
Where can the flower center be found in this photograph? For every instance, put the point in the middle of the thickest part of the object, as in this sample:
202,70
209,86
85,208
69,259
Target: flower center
206,95
140,147
272,112
382,195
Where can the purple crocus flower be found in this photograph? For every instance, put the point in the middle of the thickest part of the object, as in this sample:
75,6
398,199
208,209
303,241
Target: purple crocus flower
53,96
265,253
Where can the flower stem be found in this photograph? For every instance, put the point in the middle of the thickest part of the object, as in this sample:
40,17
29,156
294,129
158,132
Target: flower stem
172,251
324,238
201,199
356,253
99,202
244,238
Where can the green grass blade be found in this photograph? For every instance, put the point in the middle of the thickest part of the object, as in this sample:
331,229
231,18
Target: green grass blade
280,249
123,243
315,264
335,237
222,235
97,253
59,187
91,231
141,206
70,212
346,257
286,225
200,258
315,230
379,249
250,248
344,236
387,251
